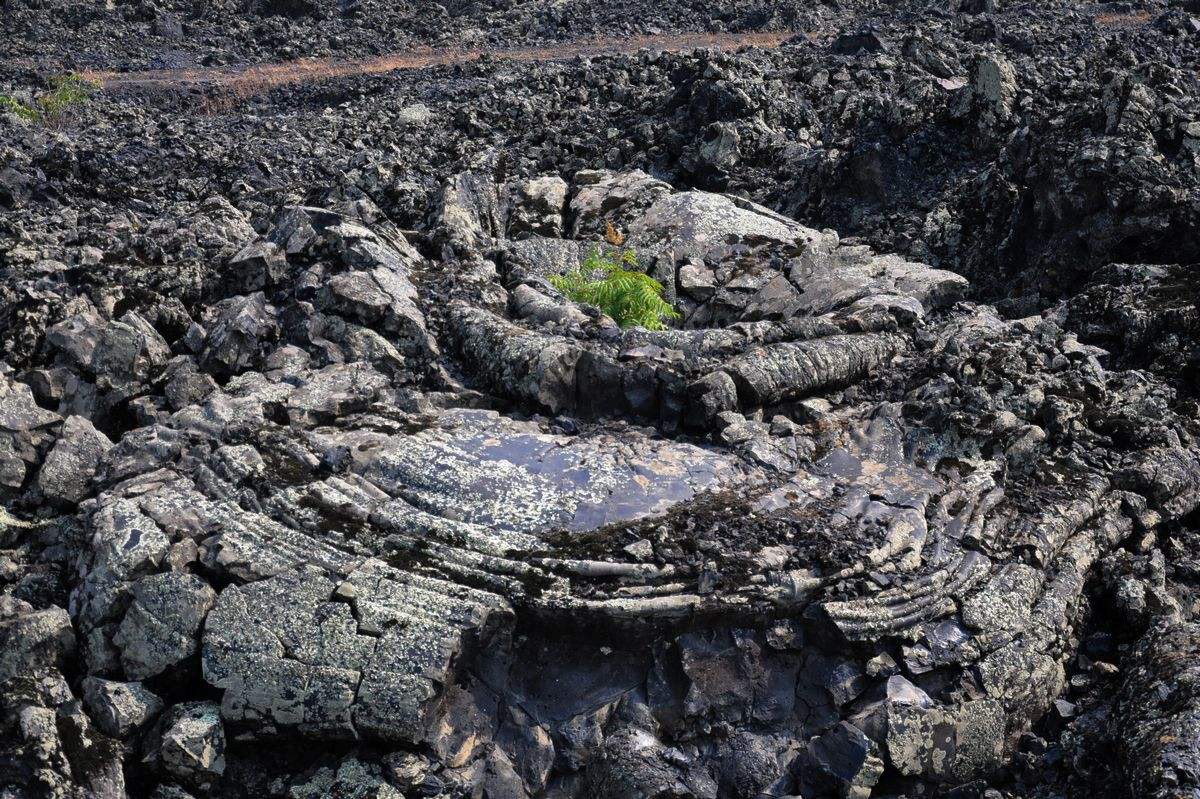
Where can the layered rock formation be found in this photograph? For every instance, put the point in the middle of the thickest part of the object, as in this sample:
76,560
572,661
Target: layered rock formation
833,535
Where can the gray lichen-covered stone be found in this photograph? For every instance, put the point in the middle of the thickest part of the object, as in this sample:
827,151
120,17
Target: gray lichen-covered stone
191,744
695,224
993,90
334,391
160,628
713,394
185,384
95,759
697,281
34,642
353,779
70,464
25,428
128,352
378,297
767,375
950,745
239,333
537,206
527,365
619,198
119,708
291,656
470,210
542,255
259,265
532,304
76,336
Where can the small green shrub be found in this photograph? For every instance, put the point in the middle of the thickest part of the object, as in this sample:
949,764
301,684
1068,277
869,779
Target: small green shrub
67,92
629,297
11,105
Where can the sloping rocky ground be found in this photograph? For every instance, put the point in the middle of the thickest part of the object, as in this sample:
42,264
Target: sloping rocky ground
314,485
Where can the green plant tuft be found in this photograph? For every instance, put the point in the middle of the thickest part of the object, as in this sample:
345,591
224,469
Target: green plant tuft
631,298
11,105
67,92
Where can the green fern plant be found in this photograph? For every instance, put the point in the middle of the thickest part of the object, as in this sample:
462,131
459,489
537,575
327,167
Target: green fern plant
630,297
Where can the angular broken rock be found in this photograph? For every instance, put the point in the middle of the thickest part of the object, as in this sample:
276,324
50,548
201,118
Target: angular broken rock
942,744
24,430
129,352
239,334
119,708
843,760
160,628
470,211
95,759
190,744
619,198
694,224
291,658
72,462
34,643
994,90
538,207
353,778
259,265
380,298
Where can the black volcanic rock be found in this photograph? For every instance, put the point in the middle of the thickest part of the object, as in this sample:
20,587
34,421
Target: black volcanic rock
315,485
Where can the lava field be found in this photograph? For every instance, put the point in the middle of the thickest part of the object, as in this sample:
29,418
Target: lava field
511,399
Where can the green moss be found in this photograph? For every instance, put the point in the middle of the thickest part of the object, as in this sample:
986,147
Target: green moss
630,297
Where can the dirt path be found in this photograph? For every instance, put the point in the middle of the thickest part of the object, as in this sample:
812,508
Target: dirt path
253,79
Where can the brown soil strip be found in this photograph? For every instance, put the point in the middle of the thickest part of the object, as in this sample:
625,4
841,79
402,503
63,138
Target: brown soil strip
253,79
1133,19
